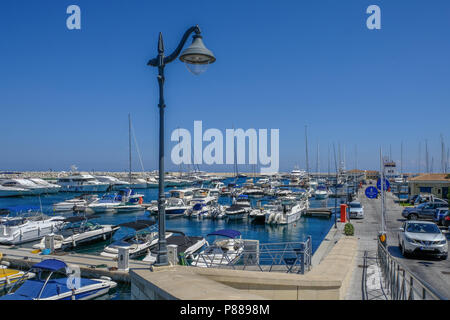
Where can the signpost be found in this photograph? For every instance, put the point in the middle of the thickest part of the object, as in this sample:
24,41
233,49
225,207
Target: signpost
371,192
386,184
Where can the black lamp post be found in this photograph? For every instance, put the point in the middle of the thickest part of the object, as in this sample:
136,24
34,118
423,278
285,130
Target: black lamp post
196,57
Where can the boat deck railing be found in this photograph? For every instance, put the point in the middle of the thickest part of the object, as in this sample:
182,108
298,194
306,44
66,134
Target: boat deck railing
288,257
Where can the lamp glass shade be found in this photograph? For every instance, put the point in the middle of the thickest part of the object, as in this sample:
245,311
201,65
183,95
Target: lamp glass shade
197,57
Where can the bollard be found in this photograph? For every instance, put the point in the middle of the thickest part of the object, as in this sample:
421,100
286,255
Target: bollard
50,243
123,259
172,254
343,212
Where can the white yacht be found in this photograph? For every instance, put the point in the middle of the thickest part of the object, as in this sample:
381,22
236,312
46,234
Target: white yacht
25,229
33,188
287,212
115,183
50,187
82,183
137,183
13,192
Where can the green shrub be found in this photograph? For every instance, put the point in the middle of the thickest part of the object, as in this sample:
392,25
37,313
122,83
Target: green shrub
349,229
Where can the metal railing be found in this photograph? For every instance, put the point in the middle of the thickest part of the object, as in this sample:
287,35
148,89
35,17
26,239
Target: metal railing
400,283
288,257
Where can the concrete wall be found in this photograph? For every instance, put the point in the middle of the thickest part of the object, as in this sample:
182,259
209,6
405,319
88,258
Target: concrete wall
328,280
436,187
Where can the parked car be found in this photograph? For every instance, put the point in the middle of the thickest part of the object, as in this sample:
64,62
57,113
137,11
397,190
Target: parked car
423,211
439,215
356,210
422,237
446,220
412,200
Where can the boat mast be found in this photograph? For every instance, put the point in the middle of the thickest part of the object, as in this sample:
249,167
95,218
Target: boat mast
129,146
306,143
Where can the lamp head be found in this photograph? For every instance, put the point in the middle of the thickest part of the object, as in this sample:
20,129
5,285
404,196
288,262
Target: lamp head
197,57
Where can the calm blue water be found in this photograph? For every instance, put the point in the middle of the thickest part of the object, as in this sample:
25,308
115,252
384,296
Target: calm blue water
299,231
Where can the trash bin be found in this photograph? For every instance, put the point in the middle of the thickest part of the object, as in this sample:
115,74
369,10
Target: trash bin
344,212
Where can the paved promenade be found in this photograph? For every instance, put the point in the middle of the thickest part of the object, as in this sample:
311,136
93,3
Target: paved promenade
433,271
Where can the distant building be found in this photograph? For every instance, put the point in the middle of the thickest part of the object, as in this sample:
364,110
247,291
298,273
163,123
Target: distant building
433,183
372,175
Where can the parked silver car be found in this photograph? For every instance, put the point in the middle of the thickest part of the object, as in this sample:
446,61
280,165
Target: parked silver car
422,237
356,210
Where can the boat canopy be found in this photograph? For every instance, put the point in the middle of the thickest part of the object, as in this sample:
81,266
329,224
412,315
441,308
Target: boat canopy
138,224
50,264
226,233
243,196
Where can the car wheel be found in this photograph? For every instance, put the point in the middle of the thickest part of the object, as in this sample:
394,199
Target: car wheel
413,216
404,253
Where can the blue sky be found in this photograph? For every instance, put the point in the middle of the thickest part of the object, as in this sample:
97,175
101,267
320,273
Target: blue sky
65,94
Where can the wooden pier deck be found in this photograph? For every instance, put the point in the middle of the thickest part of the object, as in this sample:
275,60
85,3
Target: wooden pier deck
319,212
90,265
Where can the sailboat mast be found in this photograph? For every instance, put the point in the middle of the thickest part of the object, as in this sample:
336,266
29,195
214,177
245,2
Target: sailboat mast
129,146
306,143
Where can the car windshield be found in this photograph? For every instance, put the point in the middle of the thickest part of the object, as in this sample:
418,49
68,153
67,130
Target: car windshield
422,228
355,205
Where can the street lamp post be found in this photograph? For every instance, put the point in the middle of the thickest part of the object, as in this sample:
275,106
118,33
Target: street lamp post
196,57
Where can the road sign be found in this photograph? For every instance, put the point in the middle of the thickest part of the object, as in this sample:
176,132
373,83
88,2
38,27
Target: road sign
371,192
386,184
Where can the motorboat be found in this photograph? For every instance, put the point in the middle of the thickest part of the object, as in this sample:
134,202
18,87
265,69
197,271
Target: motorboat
226,250
258,215
203,207
183,194
9,277
107,203
13,191
125,200
17,230
30,186
79,203
115,183
130,201
175,207
49,187
53,281
138,243
79,231
239,209
201,203
186,245
82,183
321,193
287,212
